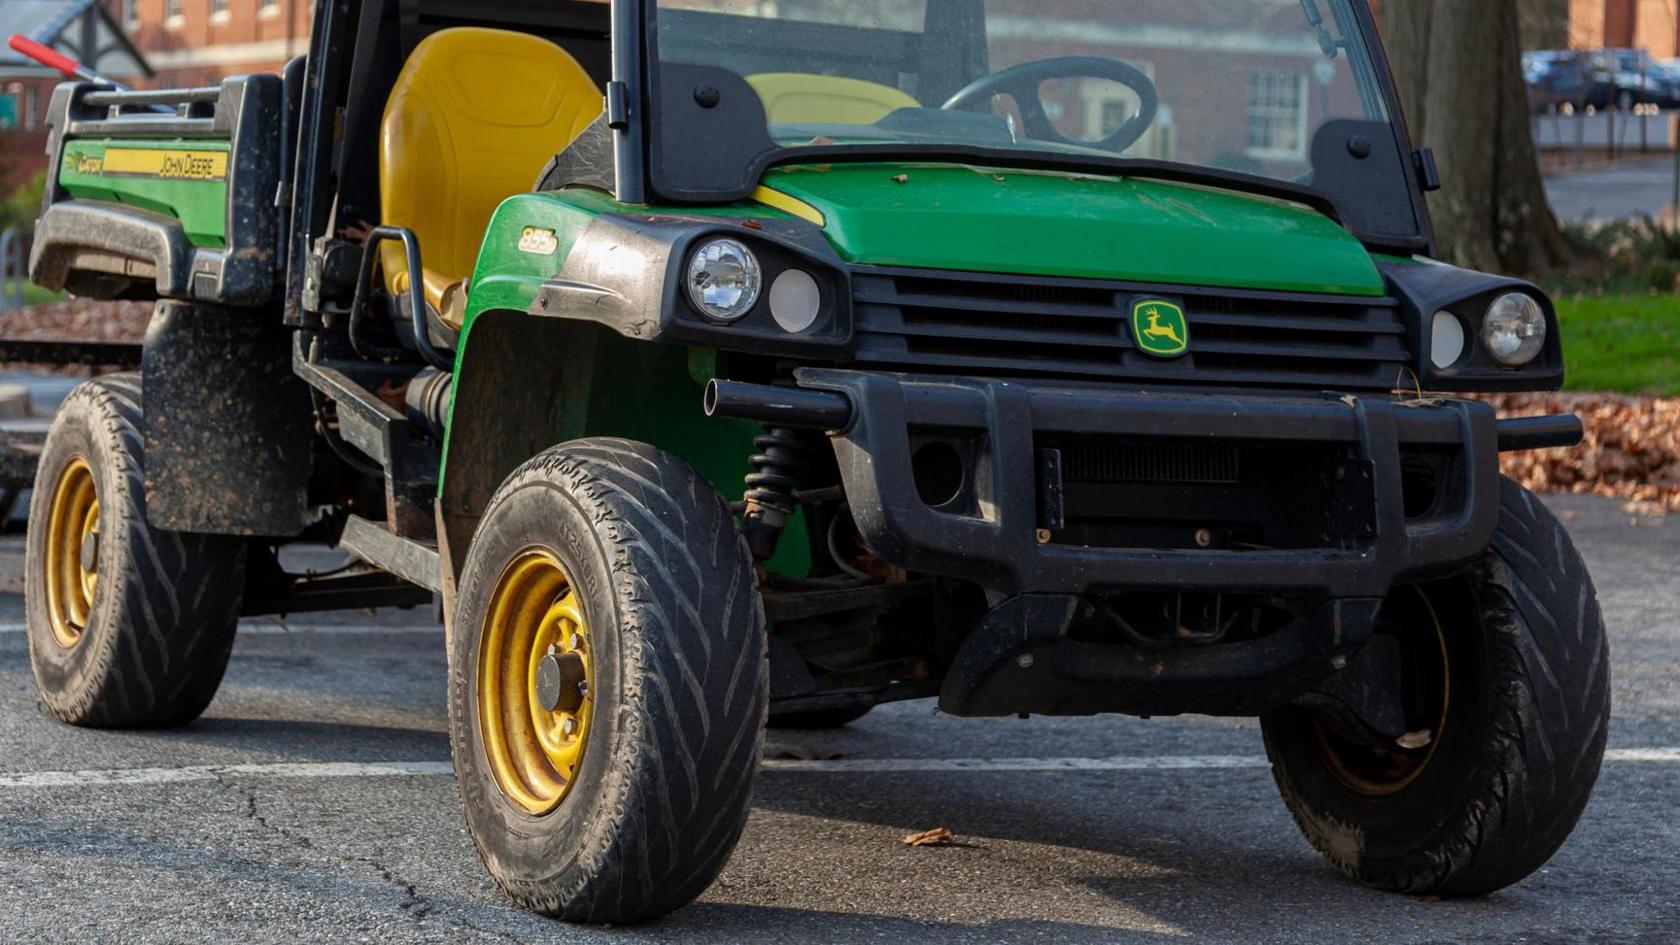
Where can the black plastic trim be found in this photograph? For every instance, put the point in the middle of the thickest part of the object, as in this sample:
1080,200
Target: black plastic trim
999,548
1425,287
135,245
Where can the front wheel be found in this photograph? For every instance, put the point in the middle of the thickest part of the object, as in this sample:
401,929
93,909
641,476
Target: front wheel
1506,688
607,683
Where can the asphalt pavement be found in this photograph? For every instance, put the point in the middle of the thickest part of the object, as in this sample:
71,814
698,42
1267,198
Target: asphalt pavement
312,804
1637,187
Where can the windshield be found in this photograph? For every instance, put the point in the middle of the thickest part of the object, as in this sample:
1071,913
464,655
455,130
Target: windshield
1237,86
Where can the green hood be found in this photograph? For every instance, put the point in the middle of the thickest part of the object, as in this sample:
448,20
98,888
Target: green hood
1035,223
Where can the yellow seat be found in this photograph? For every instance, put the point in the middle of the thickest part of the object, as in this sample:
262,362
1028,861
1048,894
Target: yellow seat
474,116
796,97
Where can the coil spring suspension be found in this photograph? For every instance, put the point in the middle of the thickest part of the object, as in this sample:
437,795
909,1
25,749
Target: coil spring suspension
779,467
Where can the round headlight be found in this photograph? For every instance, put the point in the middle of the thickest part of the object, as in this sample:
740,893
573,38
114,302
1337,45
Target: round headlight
724,280
1514,331
795,301
1447,340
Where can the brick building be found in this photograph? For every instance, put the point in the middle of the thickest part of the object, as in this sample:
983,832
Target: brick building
1653,25
86,30
146,43
196,42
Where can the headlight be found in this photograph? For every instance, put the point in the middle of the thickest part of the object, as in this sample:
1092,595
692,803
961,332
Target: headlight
795,301
1447,340
724,280
1514,331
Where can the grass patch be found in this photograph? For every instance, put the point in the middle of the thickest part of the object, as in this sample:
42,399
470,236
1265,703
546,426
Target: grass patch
35,295
1625,344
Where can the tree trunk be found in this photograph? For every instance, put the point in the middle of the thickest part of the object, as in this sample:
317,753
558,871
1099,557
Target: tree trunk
1459,68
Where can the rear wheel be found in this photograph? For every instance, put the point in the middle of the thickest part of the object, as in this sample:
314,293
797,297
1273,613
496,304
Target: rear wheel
129,626
608,683
1505,686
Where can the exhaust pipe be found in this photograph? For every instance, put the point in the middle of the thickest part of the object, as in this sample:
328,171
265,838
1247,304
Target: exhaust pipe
792,407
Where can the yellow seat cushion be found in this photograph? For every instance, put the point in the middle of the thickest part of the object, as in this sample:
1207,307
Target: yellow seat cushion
473,118
796,97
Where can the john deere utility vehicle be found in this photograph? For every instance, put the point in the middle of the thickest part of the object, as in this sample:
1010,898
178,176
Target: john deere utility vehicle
724,361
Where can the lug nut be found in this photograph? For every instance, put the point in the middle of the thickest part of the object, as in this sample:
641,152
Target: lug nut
1204,538
568,727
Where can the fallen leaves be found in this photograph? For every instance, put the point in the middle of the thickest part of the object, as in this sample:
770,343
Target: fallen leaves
78,320
1631,452
937,837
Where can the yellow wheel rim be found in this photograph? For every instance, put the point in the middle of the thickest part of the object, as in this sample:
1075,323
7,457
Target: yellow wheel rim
72,552
536,682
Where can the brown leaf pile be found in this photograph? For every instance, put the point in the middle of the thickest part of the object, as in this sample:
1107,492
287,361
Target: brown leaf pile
1632,450
79,320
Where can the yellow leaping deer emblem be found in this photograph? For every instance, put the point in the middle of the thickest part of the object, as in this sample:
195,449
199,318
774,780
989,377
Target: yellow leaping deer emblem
1160,329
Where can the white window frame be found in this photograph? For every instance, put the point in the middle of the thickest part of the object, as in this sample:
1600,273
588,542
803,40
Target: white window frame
1303,101
221,11
131,15
268,9
1152,144
174,14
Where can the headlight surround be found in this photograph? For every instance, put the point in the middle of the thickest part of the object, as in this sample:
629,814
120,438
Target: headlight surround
1514,330
724,280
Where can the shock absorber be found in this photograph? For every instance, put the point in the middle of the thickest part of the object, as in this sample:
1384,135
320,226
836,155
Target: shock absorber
779,467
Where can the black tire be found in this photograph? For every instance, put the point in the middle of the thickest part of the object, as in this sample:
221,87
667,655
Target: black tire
817,720
1526,716
162,616
681,683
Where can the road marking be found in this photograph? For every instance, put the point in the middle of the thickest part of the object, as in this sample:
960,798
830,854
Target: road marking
335,769
895,765
273,629
407,769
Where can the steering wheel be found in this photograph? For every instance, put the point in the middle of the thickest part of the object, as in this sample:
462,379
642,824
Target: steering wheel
1023,82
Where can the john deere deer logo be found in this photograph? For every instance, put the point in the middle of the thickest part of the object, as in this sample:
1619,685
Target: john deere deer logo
1159,328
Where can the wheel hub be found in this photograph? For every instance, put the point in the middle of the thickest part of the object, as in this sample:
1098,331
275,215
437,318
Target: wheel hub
535,682
72,552
560,682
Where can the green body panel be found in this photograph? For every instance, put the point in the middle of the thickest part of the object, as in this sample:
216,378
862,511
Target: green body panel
609,385
923,216
200,205
508,277
1037,223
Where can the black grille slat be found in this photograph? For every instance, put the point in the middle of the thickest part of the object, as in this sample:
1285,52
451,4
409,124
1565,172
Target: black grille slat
1080,328
1370,323
1106,460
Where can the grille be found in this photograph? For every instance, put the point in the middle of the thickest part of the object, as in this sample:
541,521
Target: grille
919,320
1110,459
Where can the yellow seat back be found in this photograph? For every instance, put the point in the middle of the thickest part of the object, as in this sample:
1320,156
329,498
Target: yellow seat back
795,97
474,116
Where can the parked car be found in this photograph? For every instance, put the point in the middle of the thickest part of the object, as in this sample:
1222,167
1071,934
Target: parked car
1559,78
1631,77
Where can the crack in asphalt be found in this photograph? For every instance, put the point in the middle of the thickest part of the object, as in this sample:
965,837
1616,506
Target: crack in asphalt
416,904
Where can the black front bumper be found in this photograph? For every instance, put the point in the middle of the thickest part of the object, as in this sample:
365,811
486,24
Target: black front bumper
999,541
